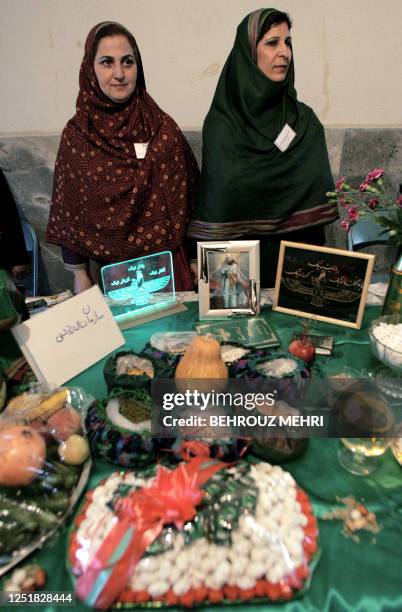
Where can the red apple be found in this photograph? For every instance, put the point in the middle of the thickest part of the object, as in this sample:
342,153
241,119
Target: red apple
303,349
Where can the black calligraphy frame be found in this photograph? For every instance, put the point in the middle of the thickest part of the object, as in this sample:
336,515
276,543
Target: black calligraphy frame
322,283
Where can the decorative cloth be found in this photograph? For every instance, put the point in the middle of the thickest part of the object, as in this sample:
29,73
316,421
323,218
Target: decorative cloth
249,186
108,204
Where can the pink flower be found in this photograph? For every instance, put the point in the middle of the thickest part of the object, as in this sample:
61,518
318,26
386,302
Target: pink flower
374,175
353,213
342,201
345,225
373,203
339,183
399,200
364,185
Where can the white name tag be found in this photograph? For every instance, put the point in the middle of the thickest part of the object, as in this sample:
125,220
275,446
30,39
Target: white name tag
141,149
285,138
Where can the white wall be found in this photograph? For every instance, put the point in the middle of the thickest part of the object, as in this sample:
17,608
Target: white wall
348,56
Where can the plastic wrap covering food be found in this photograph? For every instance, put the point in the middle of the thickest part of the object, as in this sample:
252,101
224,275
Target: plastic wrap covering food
175,343
284,372
129,370
44,464
204,532
119,428
269,363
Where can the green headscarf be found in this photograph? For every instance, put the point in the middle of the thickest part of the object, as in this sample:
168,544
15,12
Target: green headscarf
248,186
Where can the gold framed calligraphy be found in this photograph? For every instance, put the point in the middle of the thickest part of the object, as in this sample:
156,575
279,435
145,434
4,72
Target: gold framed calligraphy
322,283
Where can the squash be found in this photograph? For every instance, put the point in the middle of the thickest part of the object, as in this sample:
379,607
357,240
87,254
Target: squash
202,359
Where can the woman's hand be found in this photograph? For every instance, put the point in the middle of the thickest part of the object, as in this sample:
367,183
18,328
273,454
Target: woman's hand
82,281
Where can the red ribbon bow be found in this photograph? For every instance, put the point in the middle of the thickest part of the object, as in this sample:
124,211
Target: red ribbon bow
171,499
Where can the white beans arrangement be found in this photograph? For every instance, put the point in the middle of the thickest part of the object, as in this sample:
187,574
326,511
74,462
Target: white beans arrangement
267,546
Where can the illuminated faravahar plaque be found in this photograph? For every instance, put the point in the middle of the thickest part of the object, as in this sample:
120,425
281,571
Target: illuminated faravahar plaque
140,288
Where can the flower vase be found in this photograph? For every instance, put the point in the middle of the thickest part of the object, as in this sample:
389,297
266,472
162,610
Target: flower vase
393,298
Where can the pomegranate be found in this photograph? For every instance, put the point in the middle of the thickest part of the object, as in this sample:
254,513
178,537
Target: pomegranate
22,454
302,348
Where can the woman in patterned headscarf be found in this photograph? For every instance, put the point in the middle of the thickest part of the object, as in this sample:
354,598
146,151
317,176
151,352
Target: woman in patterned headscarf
254,184
125,176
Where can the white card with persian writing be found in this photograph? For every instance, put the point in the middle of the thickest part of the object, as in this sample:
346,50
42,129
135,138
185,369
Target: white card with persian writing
69,337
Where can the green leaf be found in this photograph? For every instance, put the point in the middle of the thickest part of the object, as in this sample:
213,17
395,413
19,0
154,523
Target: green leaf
386,221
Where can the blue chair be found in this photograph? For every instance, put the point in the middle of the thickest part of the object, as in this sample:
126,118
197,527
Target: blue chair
365,233
31,242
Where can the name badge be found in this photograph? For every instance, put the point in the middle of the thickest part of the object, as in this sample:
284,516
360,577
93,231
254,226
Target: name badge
285,137
141,149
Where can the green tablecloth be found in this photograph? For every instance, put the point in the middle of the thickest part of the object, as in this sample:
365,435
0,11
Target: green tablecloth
364,576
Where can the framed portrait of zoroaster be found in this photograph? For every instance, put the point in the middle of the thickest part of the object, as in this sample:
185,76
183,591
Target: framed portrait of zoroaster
322,283
228,278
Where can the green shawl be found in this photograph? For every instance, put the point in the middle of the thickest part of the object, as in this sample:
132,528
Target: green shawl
248,186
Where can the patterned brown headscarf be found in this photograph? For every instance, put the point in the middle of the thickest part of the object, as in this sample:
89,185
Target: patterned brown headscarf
107,204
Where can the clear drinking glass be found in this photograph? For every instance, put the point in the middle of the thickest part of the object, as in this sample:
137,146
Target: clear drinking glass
365,424
360,455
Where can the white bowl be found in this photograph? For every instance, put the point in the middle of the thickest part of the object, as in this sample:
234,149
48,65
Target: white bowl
385,349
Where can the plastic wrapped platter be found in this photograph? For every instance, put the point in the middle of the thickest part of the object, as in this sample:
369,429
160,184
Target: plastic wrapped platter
253,538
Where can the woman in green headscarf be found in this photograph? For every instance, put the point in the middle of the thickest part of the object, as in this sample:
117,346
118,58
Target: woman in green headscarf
265,170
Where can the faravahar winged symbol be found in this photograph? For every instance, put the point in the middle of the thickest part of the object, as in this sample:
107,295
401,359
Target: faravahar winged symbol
138,293
324,286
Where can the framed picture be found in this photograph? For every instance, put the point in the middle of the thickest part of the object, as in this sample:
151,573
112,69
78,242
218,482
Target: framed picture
322,283
141,289
228,278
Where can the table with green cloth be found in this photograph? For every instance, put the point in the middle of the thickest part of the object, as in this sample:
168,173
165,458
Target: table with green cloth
364,575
